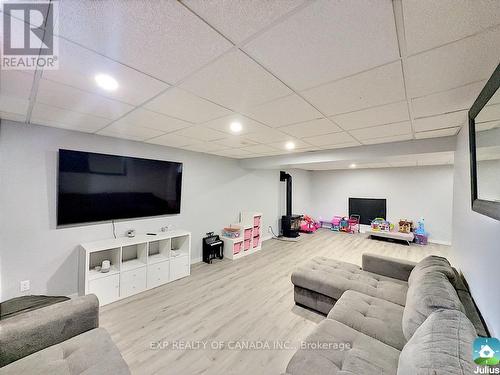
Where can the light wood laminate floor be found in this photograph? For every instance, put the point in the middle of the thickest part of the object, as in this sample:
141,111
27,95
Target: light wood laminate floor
240,302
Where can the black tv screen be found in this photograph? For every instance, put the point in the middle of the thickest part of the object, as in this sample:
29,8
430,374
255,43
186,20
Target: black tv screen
97,187
367,208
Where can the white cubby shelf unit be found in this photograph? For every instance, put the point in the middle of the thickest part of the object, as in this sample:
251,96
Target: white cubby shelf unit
250,238
137,264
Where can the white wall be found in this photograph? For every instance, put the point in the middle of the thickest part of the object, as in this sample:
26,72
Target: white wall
214,191
410,192
476,241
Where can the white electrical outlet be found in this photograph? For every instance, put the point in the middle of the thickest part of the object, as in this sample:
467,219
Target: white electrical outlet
25,285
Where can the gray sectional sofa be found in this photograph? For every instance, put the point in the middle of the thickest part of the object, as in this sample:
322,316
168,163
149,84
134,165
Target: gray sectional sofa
59,339
388,317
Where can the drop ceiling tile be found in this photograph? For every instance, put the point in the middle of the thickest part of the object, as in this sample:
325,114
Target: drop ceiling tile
437,133
201,133
385,114
181,104
15,83
378,86
136,133
78,67
330,139
173,140
235,141
12,116
430,23
448,120
235,81
466,61
148,119
311,128
261,149
489,113
267,136
282,145
396,129
162,39
15,91
328,40
460,98
283,111
234,153
14,105
73,99
223,124
61,118
205,147
394,138
487,125
239,19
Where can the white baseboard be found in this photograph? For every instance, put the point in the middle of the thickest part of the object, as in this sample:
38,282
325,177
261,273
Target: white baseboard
196,260
439,242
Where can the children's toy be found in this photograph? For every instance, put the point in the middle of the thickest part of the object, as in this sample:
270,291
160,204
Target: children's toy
354,223
405,226
421,236
344,225
231,232
336,223
382,225
309,225
421,227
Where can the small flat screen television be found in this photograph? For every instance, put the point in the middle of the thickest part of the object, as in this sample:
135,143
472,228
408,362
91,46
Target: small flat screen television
367,208
98,187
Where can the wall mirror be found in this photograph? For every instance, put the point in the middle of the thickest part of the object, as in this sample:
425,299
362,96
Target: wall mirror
484,138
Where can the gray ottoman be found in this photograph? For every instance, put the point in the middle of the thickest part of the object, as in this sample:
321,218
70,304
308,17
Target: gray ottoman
320,282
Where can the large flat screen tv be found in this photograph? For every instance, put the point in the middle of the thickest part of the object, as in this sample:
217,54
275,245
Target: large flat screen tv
97,187
367,208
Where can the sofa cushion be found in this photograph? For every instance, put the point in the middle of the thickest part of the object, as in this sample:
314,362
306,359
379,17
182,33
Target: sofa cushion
332,278
372,316
334,348
92,352
426,295
431,264
441,345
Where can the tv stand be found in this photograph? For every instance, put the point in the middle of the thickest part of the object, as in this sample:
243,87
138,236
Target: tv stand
137,264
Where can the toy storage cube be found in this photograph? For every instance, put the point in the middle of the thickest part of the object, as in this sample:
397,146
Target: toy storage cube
256,221
237,247
247,245
248,234
256,241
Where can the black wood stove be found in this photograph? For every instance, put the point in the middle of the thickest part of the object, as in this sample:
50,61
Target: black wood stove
290,224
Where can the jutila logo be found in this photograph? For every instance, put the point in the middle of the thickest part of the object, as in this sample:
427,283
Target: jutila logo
486,354
28,35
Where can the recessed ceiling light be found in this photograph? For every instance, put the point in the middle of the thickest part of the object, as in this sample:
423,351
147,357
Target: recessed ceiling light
106,82
236,127
352,165
289,145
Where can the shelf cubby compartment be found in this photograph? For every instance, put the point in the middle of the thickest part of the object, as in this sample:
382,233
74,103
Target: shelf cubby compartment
159,251
134,256
96,259
179,246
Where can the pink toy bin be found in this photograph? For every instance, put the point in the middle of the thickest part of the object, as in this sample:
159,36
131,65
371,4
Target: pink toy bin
256,221
237,247
248,234
247,245
256,241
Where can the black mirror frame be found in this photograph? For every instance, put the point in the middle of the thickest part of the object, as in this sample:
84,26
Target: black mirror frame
488,208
